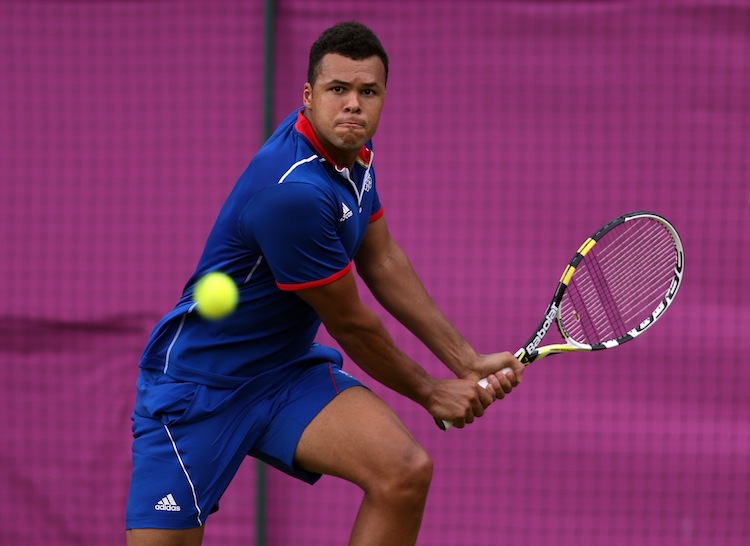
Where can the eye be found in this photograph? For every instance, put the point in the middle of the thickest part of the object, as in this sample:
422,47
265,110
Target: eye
337,89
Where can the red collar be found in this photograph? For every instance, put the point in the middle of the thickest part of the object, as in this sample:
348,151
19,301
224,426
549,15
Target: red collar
304,128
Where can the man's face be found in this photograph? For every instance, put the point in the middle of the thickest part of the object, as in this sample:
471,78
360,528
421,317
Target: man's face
344,104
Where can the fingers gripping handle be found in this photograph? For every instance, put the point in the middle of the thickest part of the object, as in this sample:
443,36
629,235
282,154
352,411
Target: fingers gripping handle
445,425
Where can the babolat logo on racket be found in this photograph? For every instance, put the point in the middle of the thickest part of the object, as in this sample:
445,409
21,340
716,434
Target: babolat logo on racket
548,320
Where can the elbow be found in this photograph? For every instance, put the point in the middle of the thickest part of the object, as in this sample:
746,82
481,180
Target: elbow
350,327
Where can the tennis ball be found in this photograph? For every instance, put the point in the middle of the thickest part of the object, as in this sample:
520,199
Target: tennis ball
216,295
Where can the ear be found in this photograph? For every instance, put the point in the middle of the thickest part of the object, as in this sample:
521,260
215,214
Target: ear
307,95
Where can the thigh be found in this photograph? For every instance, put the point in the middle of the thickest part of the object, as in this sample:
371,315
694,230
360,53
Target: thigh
357,437
165,537
304,396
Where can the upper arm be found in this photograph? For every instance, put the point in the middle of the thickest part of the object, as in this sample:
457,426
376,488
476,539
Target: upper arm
338,304
389,274
377,248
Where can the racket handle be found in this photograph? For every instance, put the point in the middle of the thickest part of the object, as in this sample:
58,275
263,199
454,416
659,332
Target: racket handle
444,424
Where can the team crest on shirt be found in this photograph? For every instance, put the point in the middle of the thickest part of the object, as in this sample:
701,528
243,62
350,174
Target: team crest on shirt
346,212
367,183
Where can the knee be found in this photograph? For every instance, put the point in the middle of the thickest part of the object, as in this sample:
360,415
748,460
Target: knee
417,470
406,478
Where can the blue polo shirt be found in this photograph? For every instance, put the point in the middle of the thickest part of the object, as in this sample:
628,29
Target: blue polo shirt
293,220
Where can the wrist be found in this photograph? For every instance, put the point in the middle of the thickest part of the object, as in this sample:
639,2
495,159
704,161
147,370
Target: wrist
424,391
463,364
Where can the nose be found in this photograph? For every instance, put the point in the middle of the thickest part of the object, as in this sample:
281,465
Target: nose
352,103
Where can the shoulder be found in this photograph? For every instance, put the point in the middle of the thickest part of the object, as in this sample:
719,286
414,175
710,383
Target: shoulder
288,206
296,198
285,151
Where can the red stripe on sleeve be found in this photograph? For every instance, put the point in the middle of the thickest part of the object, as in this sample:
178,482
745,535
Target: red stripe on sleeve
312,284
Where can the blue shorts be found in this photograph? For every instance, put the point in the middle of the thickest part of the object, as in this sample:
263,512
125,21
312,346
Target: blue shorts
189,440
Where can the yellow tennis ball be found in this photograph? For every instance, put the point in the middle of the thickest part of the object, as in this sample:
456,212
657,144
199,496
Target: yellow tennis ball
216,295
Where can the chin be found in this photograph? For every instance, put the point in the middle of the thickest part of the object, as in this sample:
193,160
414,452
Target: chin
351,144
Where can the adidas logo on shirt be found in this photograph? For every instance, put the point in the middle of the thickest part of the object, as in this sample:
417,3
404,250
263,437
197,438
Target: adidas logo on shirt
167,504
346,212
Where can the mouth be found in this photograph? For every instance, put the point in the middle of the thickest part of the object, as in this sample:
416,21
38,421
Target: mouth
351,125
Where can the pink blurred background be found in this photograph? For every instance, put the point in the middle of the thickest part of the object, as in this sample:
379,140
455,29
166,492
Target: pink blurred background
512,131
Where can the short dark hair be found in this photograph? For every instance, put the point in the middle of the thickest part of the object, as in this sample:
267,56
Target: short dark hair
349,39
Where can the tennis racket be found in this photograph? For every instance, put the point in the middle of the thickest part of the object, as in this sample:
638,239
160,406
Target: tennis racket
619,283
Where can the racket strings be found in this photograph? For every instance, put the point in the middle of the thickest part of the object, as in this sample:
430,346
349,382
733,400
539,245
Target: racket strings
638,282
619,282
623,301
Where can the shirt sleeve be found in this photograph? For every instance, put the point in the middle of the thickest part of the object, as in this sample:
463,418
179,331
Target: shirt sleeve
294,226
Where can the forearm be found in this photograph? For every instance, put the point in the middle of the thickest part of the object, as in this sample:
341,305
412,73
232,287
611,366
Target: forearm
396,286
366,341
361,334
369,345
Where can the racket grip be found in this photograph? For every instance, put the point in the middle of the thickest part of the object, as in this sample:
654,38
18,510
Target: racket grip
445,424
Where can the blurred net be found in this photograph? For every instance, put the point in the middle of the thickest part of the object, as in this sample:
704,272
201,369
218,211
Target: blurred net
511,130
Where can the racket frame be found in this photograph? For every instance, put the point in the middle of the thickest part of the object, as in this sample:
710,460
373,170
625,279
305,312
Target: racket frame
532,351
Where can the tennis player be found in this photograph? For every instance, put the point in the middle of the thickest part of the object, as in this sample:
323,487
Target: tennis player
209,393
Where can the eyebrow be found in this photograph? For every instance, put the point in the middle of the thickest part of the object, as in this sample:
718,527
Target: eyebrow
349,84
